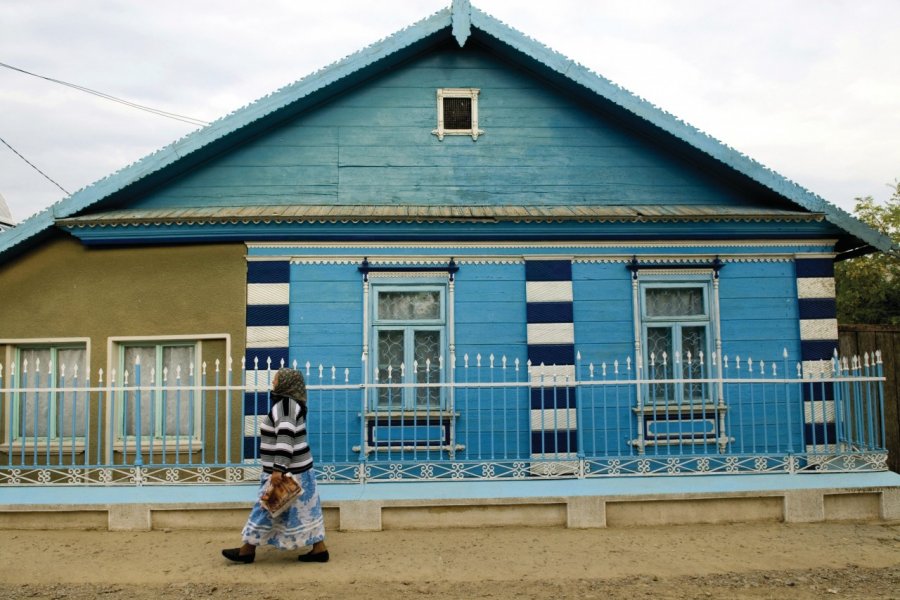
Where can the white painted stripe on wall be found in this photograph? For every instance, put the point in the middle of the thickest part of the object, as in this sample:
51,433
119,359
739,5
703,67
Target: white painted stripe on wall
828,449
552,419
260,380
553,375
818,329
548,291
820,411
814,369
815,287
251,424
551,333
268,293
274,336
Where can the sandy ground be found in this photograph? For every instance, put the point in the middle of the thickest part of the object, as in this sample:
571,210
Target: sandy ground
718,561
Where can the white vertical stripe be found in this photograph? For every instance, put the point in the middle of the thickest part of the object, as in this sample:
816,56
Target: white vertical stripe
550,419
818,329
548,291
815,287
267,337
268,293
819,411
815,369
551,333
551,375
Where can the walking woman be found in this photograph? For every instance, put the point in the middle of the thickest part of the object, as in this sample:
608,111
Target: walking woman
284,450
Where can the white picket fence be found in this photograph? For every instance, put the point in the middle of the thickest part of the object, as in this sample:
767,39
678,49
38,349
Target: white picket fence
475,417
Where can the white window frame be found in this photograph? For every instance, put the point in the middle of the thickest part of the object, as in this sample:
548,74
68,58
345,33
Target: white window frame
472,94
676,323
115,361
408,401
11,356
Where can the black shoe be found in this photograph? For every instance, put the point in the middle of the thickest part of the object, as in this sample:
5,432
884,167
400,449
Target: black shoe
235,555
314,557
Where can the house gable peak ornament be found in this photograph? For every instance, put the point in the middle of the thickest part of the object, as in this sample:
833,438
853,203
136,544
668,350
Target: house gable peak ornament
461,17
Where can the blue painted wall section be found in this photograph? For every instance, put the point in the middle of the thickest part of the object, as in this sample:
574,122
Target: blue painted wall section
818,342
551,350
268,295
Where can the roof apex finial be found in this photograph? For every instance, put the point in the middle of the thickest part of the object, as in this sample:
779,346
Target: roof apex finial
461,17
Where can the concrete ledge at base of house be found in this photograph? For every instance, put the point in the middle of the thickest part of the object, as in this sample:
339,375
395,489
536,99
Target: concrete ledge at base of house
577,512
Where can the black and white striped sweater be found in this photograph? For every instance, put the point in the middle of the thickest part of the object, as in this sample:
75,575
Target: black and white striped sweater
283,445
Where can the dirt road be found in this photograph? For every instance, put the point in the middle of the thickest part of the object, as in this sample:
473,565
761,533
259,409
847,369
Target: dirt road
769,560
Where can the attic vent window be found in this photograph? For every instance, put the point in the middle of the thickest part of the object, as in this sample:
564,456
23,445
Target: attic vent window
457,112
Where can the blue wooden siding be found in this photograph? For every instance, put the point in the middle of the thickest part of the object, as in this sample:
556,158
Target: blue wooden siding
758,307
490,312
326,317
539,147
604,325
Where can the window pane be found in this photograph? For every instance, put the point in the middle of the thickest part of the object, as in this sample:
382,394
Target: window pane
34,406
390,357
409,306
142,400
674,302
427,347
70,403
693,341
659,346
176,404
458,113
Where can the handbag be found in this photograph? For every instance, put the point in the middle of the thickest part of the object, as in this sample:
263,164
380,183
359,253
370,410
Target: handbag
278,498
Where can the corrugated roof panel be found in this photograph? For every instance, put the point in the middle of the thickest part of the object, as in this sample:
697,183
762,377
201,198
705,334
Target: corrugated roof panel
281,213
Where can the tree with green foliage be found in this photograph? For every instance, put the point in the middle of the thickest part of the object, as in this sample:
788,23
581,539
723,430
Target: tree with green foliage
868,287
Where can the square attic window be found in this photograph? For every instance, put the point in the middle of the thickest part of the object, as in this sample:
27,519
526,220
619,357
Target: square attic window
457,112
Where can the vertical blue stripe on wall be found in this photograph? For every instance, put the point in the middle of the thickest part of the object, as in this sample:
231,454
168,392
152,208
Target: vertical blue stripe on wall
551,350
268,312
818,342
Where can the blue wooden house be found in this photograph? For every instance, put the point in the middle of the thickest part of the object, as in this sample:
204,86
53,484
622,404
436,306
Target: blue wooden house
490,262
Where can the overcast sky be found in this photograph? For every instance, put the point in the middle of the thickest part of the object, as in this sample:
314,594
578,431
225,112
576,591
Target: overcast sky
809,88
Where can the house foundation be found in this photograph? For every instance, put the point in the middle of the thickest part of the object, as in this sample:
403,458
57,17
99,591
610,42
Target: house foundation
579,504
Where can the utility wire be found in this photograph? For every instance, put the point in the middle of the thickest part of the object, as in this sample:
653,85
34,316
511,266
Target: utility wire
31,164
155,111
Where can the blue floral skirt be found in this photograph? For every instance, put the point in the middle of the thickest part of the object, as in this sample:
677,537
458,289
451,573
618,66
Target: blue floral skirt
300,525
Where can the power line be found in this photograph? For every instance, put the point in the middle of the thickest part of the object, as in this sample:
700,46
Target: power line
31,164
155,111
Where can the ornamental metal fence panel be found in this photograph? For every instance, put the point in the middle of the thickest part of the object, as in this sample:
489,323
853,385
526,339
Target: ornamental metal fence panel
472,417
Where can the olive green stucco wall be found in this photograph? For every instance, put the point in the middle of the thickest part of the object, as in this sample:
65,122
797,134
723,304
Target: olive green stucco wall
62,289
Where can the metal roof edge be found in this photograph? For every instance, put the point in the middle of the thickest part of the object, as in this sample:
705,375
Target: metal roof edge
25,230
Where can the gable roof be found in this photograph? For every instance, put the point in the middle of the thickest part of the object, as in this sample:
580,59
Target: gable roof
461,21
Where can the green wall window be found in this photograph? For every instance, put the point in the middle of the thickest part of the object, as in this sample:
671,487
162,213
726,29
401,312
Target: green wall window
166,401
48,406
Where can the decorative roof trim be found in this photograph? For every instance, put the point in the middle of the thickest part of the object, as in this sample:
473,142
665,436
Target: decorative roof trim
438,245
461,16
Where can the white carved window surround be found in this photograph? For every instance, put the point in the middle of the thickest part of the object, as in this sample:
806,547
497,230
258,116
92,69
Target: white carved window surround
457,112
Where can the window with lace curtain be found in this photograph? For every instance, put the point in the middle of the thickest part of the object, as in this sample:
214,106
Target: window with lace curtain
676,332
166,405
49,404
409,323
